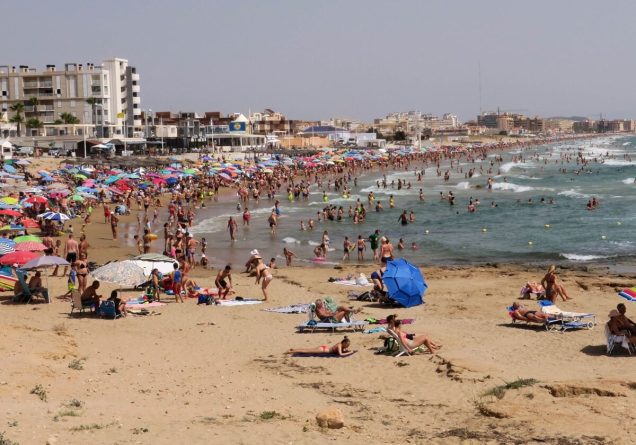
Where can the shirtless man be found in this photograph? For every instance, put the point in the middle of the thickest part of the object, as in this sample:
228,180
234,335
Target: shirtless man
71,249
232,226
221,284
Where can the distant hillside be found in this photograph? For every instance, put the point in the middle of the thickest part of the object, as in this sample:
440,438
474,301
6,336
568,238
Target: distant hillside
572,118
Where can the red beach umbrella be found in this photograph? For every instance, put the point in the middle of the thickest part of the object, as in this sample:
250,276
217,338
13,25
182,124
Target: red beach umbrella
10,212
17,258
30,246
37,199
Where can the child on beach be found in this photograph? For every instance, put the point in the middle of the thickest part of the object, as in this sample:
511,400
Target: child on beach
72,280
341,349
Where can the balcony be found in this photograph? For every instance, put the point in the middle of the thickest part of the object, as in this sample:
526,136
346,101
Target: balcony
30,85
136,88
46,84
134,76
136,100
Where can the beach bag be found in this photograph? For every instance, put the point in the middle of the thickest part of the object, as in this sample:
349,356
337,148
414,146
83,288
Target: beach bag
204,299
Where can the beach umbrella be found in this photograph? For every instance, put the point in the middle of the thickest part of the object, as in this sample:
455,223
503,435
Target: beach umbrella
45,261
629,294
17,258
6,246
54,216
10,212
25,238
9,200
124,273
30,223
404,282
30,246
77,198
36,200
9,168
149,261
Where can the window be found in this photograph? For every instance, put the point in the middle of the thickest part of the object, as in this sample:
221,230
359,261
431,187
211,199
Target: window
59,104
72,103
4,93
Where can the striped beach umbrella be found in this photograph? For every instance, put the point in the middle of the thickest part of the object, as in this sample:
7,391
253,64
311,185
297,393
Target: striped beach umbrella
54,216
6,246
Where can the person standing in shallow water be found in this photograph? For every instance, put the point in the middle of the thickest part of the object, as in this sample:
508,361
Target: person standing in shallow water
232,226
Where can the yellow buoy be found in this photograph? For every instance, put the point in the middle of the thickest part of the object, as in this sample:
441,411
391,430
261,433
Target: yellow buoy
529,243
547,226
426,231
484,230
603,237
619,223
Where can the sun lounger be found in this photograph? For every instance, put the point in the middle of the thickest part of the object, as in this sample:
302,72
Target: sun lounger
404,349
313,323
613,340
568,320
107,310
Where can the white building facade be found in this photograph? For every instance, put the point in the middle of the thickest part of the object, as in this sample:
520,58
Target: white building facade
114,86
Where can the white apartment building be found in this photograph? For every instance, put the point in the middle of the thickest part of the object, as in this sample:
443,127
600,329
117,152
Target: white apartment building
114,85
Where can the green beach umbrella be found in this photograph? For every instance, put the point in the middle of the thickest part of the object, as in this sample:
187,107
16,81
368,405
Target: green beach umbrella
24,238
77,198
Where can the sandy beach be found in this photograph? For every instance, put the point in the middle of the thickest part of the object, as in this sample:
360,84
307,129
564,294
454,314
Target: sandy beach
214,374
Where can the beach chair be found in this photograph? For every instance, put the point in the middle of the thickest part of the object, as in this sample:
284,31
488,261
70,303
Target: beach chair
567,320
25,295
613,340
107,310
313,323
76,302
404,349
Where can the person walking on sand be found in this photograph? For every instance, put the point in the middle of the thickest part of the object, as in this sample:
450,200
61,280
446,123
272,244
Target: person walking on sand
71,249
177,278
232,226
113,225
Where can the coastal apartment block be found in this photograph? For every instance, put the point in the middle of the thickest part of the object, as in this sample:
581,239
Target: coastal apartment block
112,88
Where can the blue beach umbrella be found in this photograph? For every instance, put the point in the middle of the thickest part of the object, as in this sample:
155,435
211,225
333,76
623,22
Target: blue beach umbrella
6,246
404,282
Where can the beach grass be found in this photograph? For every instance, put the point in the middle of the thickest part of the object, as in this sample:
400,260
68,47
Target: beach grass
500,391
39,391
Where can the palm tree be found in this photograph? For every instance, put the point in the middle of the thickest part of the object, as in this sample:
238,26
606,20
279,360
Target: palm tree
34,102
93,101
69,119
17,118
34,122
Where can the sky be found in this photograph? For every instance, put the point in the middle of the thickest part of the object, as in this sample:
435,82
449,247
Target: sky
359,59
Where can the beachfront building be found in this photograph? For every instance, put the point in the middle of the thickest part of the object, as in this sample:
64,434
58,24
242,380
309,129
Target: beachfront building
415,124
512,123
105,97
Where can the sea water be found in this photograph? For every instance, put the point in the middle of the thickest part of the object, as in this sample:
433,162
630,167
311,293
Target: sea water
514,231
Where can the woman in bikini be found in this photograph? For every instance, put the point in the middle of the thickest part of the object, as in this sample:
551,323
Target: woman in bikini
263,272
552,287
82,272
341,349
416,341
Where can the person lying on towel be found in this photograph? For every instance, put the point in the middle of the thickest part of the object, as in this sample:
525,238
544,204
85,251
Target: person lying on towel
328,316
341,349
520,312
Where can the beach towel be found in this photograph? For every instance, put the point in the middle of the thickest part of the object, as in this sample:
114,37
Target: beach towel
352,283
140,304
243,302
300,308
322,355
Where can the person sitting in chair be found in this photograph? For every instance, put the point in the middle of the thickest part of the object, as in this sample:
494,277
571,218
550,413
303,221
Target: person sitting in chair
120,305
35,286
90,296
417,340
520,312
617,326
328,316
